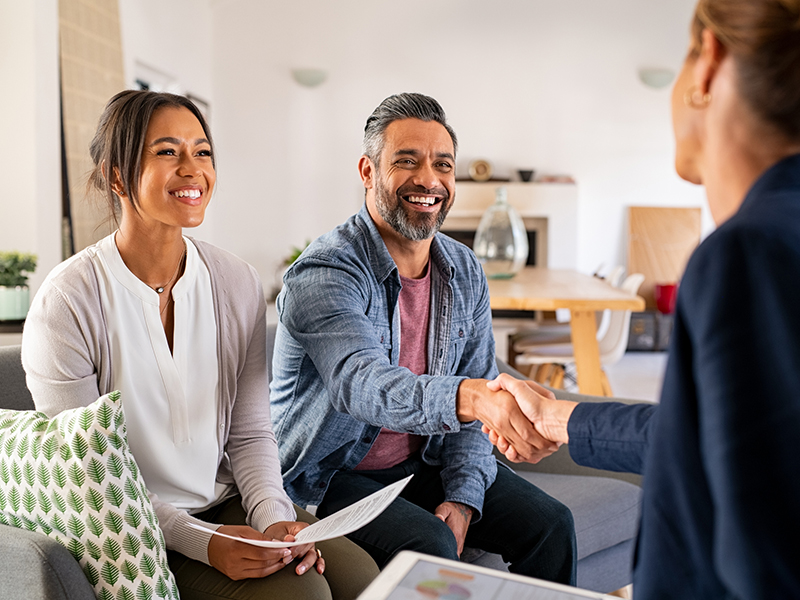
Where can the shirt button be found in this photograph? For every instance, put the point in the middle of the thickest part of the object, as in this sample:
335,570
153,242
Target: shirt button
322,484
381,339
441,352
446,427
460,333
367,440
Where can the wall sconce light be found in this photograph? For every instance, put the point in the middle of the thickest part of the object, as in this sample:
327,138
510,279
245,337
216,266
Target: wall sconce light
309,77
656,77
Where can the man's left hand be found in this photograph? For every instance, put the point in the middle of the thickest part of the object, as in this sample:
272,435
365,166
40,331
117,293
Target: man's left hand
457,517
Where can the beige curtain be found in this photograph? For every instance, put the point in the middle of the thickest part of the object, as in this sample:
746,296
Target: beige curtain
91,72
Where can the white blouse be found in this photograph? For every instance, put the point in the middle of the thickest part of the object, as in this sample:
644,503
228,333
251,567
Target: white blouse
170,399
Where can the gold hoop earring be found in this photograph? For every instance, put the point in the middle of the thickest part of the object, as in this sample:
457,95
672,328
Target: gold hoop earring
694,99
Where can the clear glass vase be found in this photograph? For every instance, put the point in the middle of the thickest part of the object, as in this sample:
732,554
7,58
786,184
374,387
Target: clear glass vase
501,241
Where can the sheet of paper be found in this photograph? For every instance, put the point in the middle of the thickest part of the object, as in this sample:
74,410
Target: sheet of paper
338,524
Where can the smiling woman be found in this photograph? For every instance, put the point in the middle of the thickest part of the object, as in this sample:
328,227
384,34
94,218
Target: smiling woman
146,311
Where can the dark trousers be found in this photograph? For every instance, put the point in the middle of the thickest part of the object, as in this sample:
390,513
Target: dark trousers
528,528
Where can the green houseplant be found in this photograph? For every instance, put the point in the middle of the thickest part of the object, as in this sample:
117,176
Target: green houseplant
14,293
286,262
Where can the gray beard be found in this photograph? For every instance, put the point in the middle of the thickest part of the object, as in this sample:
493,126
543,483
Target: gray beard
399,219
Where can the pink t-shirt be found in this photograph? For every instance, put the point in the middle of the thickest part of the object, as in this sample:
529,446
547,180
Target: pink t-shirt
391,447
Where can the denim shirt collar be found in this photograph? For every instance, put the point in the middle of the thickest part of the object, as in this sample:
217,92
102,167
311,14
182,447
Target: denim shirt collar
383,264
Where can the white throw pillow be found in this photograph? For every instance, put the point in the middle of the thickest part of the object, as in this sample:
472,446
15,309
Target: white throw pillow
74,479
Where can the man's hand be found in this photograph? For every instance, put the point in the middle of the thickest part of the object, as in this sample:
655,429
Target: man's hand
549,416
457,517
239,560
285,531
499,411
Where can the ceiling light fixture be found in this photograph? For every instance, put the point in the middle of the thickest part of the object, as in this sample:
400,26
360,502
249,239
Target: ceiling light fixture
309,77
656,77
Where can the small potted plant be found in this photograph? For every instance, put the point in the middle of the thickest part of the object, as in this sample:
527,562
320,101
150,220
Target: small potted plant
284,265
14,293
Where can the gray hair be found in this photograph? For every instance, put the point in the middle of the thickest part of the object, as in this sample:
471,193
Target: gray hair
395,108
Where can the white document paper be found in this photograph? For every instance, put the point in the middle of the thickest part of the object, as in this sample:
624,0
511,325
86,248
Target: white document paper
338,524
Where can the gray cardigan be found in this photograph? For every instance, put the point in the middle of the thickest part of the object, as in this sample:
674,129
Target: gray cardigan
66,355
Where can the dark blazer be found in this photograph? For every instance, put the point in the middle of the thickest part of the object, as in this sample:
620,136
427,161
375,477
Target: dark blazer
721,507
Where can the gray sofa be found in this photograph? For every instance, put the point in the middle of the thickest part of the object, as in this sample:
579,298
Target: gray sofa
605,507
31,564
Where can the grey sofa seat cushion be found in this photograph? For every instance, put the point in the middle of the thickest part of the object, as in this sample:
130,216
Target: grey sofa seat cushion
607,570
14,393
606,514
606,511
35,566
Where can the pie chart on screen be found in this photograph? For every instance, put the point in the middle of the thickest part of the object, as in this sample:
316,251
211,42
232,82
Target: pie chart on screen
447,588
442,590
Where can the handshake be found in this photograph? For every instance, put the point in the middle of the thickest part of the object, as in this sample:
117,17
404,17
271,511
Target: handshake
522,418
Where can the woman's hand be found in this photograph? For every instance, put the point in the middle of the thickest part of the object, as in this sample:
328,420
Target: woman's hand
239,560
285,531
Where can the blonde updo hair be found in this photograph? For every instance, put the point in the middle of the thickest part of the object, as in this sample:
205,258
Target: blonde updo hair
763,36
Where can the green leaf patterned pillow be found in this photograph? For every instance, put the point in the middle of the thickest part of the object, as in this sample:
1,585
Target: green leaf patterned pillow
74,478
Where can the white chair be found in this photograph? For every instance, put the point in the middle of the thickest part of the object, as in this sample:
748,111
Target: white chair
551,358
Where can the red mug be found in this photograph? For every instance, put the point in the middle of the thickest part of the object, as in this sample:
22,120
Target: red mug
665,295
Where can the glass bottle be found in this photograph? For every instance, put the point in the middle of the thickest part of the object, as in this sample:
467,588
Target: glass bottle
501,241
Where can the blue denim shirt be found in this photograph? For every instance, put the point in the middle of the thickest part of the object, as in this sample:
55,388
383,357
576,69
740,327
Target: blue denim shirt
336,379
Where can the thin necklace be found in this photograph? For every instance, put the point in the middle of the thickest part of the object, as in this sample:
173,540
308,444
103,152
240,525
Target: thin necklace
160,288
169,297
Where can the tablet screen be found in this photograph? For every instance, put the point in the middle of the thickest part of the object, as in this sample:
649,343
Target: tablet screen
430,581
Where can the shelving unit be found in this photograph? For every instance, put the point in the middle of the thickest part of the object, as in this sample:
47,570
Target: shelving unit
11,326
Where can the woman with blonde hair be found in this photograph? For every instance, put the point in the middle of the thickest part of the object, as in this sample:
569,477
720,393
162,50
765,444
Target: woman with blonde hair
721,505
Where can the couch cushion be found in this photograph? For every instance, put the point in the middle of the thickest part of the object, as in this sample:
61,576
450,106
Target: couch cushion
14,393
606,511
74,478
36,566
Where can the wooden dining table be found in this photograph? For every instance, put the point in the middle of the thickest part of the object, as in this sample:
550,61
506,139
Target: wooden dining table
535,288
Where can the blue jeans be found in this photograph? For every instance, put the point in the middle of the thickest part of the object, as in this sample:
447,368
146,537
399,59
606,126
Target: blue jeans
528,528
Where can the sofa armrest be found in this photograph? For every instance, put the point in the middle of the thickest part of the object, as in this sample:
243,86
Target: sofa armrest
560,462
34,566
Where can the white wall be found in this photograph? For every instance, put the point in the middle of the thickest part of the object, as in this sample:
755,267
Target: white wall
174,38
30,197
547,84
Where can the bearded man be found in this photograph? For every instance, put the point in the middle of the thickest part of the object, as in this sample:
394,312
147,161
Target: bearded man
382,353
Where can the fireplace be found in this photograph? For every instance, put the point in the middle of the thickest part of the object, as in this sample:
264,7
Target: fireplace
548,210
463,229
